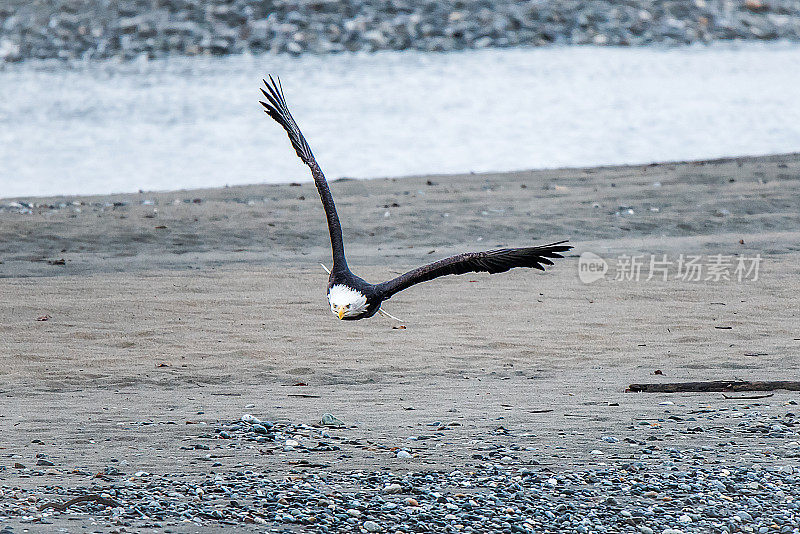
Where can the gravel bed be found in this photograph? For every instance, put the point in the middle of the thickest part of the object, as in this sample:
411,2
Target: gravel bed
741,476
630,497
80,29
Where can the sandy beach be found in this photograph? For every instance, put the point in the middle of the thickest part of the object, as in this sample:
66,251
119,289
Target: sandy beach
172,312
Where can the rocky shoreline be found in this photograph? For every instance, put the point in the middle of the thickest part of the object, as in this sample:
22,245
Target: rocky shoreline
645,486
91,29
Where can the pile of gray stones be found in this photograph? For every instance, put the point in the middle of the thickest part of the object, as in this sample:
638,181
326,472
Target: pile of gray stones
741,475
96,29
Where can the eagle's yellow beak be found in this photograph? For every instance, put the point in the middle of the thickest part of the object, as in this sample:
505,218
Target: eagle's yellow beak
341,312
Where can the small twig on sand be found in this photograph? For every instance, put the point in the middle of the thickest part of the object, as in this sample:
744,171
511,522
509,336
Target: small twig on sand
77,500
735,397
715,385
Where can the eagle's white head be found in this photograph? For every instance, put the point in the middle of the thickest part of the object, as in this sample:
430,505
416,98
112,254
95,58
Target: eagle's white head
346,301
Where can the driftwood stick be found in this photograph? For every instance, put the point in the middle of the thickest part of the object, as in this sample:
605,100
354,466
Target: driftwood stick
715,385
77,500
748,397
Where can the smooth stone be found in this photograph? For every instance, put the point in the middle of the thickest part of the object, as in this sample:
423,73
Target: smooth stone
331,420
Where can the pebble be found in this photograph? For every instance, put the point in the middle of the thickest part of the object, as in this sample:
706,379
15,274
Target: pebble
371,526
392,488
331,420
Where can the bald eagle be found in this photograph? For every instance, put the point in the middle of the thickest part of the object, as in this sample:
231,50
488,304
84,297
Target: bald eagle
349,296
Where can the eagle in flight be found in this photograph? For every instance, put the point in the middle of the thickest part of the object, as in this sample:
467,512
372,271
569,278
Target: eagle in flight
351,297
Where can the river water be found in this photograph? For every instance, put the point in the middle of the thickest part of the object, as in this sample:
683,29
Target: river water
195,122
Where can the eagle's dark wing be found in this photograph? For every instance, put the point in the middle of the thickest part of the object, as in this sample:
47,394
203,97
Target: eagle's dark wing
491,261
277,109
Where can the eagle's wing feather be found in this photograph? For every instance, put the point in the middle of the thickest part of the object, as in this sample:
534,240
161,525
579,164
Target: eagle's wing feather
491,261
276,107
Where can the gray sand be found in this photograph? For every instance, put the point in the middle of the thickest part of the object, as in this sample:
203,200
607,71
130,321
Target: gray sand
223,310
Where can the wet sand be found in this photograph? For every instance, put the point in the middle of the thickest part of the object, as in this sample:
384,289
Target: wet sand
187,308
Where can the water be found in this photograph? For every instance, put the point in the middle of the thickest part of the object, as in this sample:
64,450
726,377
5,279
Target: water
185,123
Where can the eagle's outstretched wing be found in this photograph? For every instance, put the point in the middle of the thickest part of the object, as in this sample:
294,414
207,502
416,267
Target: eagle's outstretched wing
491,261
277,109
